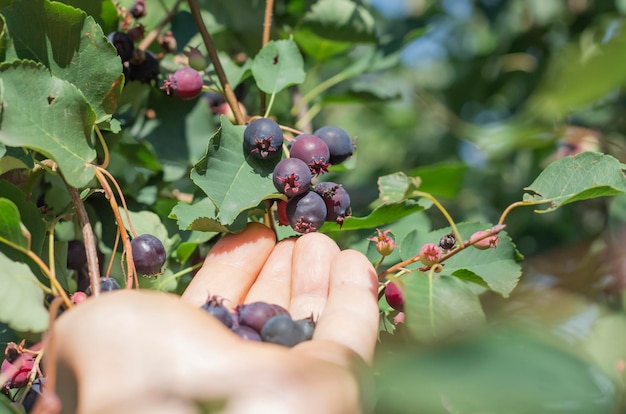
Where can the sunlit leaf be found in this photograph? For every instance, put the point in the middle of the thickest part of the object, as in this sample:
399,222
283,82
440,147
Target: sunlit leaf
278,65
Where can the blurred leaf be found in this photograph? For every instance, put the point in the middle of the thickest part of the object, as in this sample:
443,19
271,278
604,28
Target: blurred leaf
11,224
443,179
318,47
66,40
574,178
341,20
498,372
497,269
235,182
606,343
578,75
48,115
278,65
21,298
397,187
29,214
103,11
439,307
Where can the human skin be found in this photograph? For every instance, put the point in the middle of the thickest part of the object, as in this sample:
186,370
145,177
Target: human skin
151,352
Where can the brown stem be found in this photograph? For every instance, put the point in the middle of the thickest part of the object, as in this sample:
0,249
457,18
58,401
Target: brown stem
154,33
229,94
131,274
267,27
88,238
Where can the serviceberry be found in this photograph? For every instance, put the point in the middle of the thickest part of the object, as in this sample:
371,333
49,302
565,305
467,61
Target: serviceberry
394,296
337,201
215,307
488,240
255,314
196,59
307,327
307,212
313,151
385,244
123,44
447,241
76,255
263,138
282,330
107,284
148,254
291,177
430,254
247,333
22,374
185,83
144,69
339,143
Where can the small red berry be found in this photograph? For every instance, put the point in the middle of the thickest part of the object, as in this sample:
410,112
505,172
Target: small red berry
430,254
394,296
488,240
186,83
78,297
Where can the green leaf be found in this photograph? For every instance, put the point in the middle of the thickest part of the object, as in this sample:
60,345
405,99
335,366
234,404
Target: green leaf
496,269
30,215
575,178
396,187
443,179
234,181
384,214
341,20
439,307
21,298
278,65
103,11
200,216
72,45
11,224
318,47
50,116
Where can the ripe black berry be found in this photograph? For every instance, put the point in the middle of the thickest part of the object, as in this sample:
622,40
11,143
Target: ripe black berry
144,70
123,43
138,9
216,308
313,151
307,327
185,83
282,330
255,314
338,141
263,138
107,284
291,177
76,255
247,333
306,212
148,254
337,200
447,241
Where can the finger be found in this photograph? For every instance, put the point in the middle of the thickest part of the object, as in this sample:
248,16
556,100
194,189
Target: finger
273,285
312,255
351,313
231,266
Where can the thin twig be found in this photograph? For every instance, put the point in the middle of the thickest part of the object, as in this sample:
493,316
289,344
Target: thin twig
229,94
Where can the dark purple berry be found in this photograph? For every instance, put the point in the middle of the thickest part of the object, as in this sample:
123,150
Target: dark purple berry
76,255
107,284
447,241
313,151
337,201
123,43
263,138
138,9
185,83
282,330
307,212
394,296
148,254
247,333
216,308
338,141
33,394
255,314
291,177
307,327
144,70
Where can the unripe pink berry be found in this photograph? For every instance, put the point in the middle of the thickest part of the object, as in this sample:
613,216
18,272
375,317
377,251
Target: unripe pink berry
488,241
186,83
430,254
384,243
78,297
394,296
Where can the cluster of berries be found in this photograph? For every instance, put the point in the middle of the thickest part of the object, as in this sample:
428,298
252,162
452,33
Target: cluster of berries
262,322
309,205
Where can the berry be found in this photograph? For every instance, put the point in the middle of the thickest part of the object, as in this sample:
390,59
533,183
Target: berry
186,83
339,143
195,58
76,255
281,211
487,242
430,254
282,330
394,296
138,9
144,69
78,297
216,308
337,201
33,394
123,43
21,375
307,327
313,151
255,314
148,254
306,212
107,284
247,333
291,177
447,241
385,244
263,138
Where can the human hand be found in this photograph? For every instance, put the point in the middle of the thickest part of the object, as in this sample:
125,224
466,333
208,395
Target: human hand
143,351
